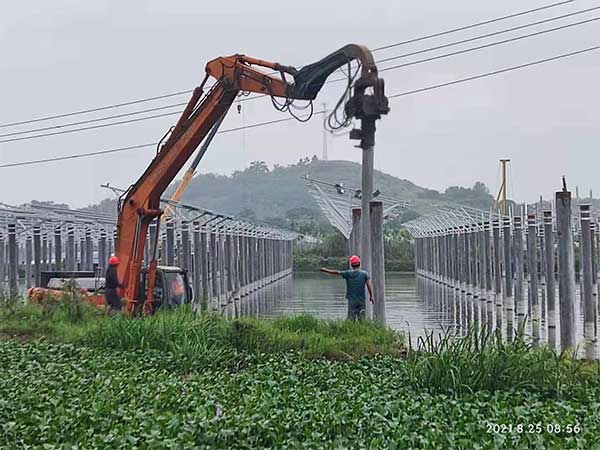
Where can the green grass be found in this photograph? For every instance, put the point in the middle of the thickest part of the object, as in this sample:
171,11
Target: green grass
196,340
203,340
315,338
210,340
54,321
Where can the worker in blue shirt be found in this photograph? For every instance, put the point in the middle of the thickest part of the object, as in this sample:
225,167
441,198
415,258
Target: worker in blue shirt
356,280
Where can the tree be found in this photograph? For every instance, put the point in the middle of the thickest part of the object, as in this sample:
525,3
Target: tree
480,188
303,213
258,167
477,196
106,206
49,203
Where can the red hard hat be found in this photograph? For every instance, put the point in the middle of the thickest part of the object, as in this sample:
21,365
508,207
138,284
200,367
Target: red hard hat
354,260
113,261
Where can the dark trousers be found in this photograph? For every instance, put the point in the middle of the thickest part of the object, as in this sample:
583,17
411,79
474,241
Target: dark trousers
356,311
113,299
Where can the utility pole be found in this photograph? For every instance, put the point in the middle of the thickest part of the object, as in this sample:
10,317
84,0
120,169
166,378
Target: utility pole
324,131
367,195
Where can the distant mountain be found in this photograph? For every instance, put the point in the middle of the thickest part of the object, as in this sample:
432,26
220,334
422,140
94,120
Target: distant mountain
265,193
274,192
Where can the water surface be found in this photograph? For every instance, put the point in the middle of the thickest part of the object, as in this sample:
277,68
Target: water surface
323,296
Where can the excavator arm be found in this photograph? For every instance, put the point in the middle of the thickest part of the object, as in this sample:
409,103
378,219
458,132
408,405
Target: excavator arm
233,74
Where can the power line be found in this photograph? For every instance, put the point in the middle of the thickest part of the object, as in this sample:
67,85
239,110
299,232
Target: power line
491,44
483,36
91,127
395,67
400,94
174,94
136,147
254,97
81,155
155,116
99,119
100,108
467,27
495,72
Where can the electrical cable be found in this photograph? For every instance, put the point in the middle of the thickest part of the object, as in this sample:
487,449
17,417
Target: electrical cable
91,127
467,27
100,108
385,47
400,94
494,72
286,105
100,119
484,36
80,155
333,122
491,44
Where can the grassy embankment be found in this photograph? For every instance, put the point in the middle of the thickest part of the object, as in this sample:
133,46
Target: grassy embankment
180,381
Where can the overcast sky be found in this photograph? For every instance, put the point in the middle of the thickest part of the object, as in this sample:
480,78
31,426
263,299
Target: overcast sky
68,55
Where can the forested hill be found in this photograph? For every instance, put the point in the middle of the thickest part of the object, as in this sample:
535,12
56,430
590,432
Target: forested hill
264,192
273,192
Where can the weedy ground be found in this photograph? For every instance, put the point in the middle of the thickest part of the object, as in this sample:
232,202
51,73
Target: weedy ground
82,379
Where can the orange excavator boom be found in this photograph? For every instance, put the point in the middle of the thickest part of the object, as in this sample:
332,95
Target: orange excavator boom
233,74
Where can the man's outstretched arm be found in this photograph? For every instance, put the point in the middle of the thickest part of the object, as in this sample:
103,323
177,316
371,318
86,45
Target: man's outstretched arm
370,289
330,271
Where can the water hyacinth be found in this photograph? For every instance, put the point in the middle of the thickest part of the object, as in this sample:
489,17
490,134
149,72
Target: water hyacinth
64,396
179,380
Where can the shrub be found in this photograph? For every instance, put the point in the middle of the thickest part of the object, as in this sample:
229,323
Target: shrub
314,338
482,361
198,341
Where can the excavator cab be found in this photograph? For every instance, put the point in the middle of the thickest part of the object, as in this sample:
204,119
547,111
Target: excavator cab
172,288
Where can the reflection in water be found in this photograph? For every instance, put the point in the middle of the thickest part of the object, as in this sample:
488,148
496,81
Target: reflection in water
323,296
415,307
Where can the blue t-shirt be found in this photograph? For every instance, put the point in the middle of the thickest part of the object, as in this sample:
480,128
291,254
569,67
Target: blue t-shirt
356,281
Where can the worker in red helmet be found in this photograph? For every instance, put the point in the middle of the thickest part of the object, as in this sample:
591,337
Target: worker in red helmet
112,283
356,281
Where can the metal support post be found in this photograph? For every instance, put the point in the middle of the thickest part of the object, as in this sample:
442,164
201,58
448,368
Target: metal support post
566,270
589,308
13,261
519,297
71,258
206,297
102,252
550,284
58,258
367,195
199,300
37,256
185,247
532,269
28,259
170,243
377,261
